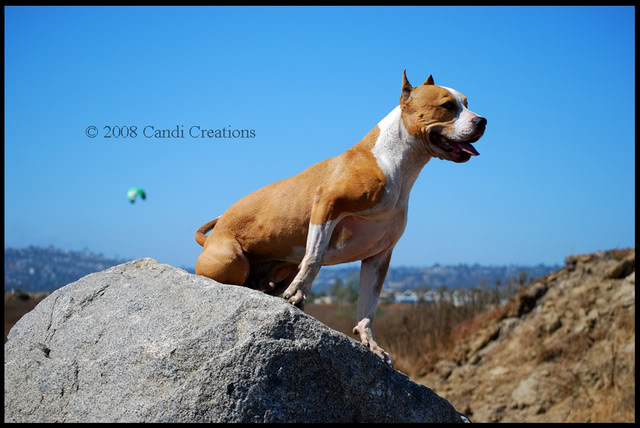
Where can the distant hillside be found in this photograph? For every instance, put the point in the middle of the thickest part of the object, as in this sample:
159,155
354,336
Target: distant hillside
561,350
436,276
38,269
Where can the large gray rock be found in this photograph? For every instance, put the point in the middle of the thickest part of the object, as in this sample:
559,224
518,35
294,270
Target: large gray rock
145,341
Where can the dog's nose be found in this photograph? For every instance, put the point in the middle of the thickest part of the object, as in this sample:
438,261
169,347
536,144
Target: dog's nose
479,121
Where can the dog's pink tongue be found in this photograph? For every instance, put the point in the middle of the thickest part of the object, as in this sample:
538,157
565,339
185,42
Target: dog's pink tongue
466,147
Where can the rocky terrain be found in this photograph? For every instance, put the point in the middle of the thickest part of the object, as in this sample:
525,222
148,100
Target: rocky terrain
148,342
16,305
562,350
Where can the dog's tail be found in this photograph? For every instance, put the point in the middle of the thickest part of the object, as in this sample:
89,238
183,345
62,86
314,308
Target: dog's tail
201,234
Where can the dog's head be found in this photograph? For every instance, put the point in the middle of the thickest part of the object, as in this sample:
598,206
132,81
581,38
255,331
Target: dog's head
439,118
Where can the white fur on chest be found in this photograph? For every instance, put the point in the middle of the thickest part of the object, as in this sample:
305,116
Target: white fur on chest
398,155
377,229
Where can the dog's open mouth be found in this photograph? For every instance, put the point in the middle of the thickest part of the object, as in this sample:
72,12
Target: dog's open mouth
457,151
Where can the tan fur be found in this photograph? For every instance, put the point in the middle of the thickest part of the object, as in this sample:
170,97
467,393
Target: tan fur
355,184
424,107
348,183
335,183
201,233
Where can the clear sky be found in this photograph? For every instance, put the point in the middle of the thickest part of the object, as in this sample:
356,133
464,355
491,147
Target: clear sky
556,170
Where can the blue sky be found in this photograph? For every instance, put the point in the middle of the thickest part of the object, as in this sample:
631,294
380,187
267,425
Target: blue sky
555,175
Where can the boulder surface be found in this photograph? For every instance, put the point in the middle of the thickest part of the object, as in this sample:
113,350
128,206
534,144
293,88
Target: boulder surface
148,342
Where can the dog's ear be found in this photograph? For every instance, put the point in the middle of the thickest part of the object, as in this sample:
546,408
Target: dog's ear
406,87
429,81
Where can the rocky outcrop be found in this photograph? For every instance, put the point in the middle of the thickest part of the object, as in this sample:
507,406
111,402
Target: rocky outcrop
147,342
563,349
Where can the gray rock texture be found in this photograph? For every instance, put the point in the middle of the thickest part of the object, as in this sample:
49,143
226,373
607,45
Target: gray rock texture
147,342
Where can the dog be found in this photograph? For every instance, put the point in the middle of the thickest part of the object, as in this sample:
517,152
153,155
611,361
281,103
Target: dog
348,208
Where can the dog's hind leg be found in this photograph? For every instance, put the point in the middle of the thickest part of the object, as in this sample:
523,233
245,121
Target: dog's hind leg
271,276
283,273
224,261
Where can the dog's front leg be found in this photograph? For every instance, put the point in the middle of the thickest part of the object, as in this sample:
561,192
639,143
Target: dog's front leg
317,242
321,225
372,275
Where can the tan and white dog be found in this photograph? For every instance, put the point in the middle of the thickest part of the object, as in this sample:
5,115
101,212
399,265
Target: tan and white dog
347,208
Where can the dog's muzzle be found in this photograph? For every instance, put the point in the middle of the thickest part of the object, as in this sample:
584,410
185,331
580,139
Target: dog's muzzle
480,123
455,150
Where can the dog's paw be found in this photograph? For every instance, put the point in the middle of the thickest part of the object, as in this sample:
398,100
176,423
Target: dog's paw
300,304
292,290
366,337
297,299
382,354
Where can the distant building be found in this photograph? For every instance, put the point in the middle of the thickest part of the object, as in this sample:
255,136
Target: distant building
431,296
408,296
457,298
325,300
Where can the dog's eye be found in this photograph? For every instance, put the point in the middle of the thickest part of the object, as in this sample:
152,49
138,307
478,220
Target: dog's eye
448,105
